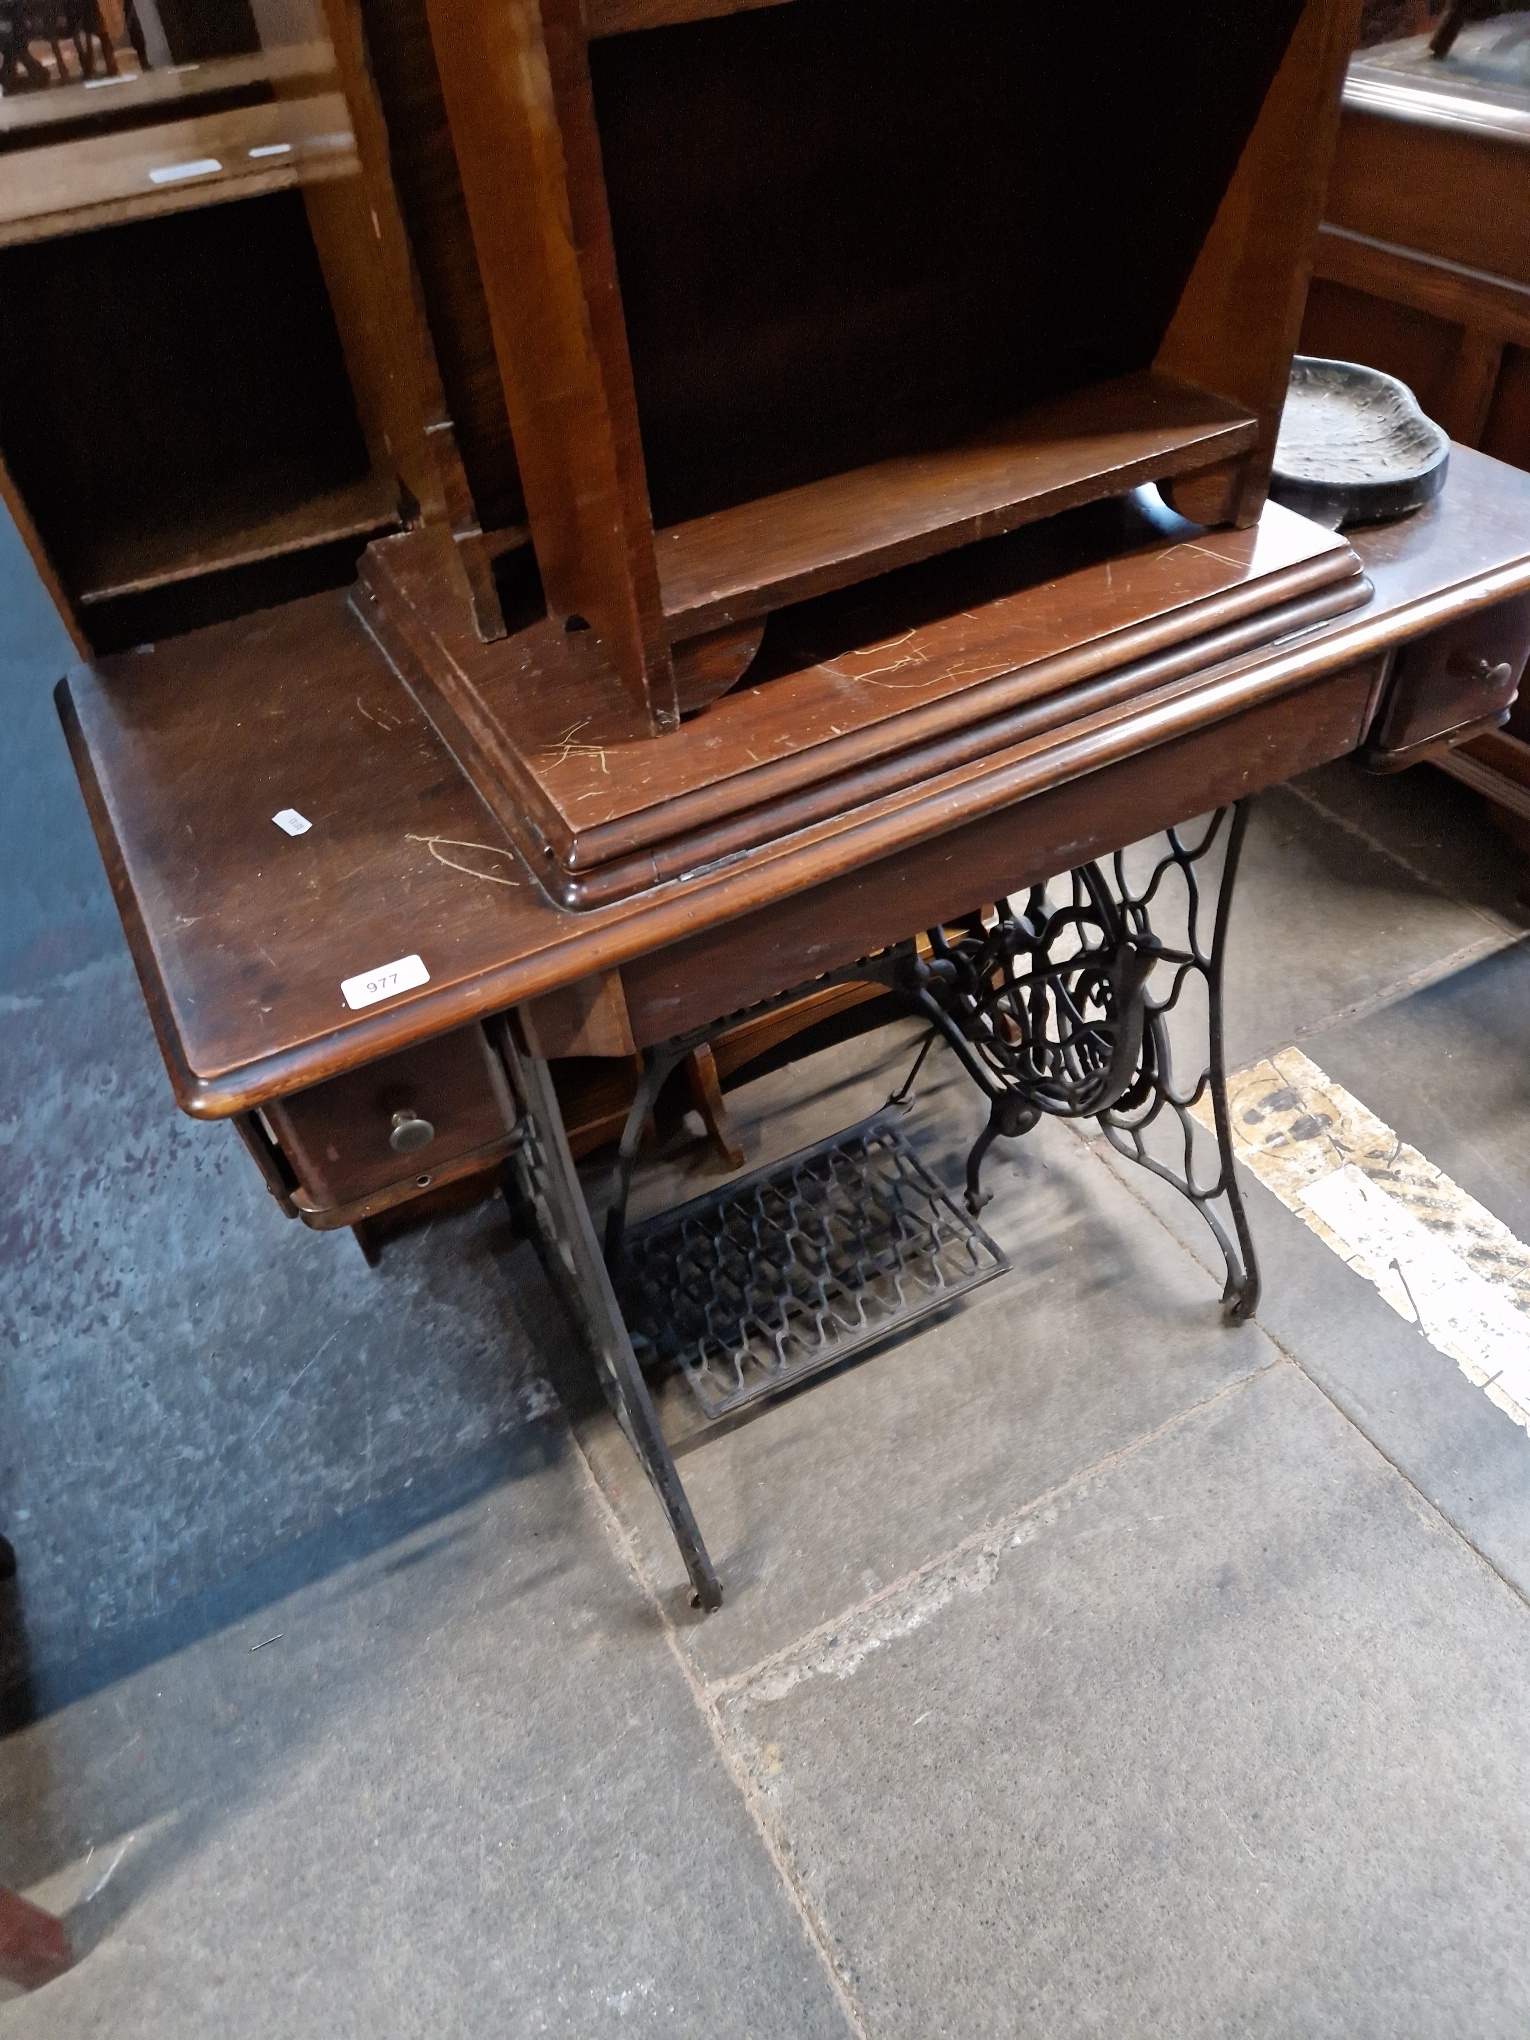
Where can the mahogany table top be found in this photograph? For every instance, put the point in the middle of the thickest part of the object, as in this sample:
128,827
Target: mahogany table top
243,935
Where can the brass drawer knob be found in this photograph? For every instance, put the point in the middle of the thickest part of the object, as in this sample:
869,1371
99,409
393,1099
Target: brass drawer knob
410,1133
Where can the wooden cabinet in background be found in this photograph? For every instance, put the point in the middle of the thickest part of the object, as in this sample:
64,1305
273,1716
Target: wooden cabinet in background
1422,268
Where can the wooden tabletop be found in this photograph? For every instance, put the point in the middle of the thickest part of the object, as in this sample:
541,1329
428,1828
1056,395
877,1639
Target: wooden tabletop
243,935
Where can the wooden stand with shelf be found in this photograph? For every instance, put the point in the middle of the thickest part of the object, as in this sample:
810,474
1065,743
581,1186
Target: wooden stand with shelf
764,328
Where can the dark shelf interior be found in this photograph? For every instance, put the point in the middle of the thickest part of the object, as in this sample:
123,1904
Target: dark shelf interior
853,230
176,400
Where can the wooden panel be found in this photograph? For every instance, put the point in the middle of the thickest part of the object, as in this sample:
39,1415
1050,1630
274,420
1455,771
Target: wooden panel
815,278
430,197
1093,442
1421,205
1448,290
673,989
67,187
117,562
588,1017
1236,324
517,92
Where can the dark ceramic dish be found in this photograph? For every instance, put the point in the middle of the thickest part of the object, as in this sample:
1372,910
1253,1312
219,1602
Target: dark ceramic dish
1354,447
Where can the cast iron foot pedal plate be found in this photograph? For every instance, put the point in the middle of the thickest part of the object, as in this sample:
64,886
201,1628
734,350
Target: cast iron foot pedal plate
794,1267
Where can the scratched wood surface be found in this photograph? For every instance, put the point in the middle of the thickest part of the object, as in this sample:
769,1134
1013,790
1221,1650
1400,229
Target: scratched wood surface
844,682
242,935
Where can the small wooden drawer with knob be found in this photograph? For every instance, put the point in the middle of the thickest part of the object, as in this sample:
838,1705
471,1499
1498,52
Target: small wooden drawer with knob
403,1125
1450,685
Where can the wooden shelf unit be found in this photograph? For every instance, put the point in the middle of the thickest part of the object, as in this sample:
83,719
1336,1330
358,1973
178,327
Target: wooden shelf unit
215,357
135,562
104,180
94,102
794,295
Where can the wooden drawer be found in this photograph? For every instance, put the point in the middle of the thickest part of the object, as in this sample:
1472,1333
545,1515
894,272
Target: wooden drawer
1460,678
399,1121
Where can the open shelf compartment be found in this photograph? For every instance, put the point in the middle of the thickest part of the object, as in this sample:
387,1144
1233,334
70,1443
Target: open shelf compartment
806,541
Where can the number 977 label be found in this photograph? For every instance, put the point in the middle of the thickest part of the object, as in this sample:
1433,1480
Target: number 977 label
369,987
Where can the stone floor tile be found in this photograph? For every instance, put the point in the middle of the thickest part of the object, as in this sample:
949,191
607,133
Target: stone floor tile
1233,1738
1448,1068
1102,1330
464,1791
1322,922
1433,823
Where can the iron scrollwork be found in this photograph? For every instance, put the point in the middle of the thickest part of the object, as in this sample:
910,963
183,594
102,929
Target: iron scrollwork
1062,1009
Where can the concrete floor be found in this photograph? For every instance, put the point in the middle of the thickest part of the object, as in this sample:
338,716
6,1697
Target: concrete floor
1086,1666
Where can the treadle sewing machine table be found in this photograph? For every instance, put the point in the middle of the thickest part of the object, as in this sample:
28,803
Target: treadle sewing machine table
408,892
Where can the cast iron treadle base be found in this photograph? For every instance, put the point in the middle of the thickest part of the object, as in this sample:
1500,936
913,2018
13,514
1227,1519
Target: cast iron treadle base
794,1267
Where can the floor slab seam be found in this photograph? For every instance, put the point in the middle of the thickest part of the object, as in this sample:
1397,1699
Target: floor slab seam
732,1759
1374,843
1446,1522
996,1531
1421,980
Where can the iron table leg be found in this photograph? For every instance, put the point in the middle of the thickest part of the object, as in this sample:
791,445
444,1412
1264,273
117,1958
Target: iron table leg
540,1176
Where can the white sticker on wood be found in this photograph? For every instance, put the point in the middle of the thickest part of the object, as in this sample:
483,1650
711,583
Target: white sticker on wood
289,819
172,173
368,987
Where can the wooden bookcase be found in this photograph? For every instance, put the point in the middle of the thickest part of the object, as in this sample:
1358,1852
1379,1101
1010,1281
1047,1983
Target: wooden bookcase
217,386
795,294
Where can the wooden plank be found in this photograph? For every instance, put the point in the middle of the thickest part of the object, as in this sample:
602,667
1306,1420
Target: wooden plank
90,100
130,562
1495,764
1054,456
1428,283
69,187
620,17
517,91
1238,318
362,248
402,63
47,573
